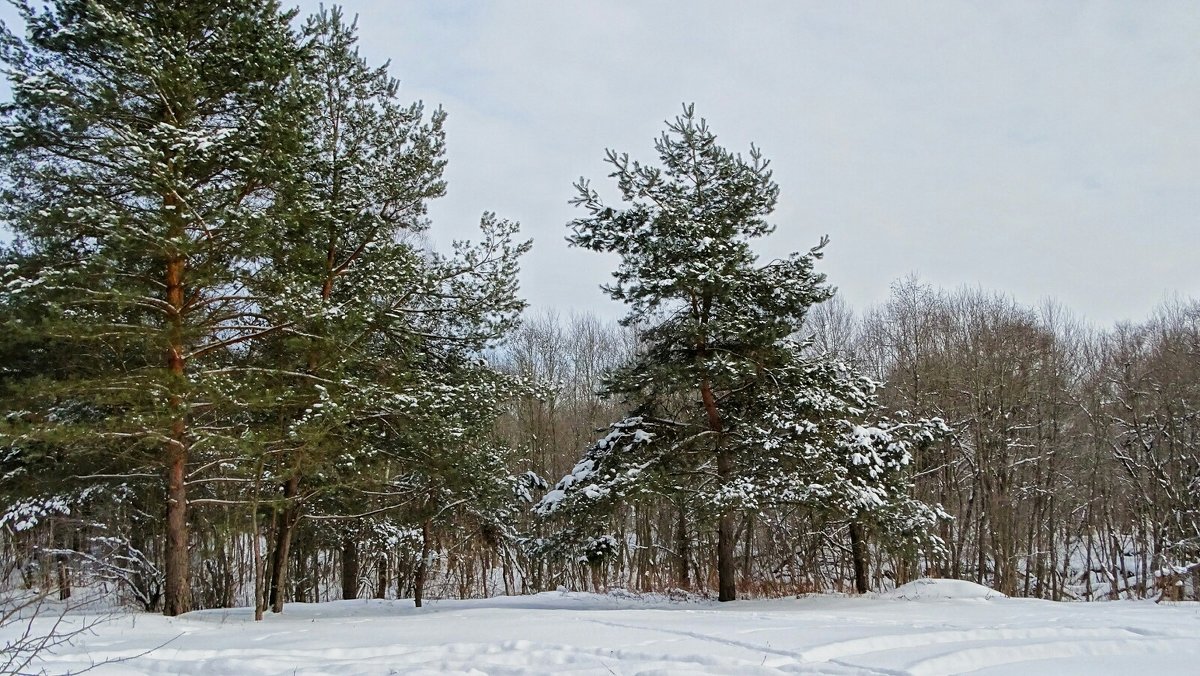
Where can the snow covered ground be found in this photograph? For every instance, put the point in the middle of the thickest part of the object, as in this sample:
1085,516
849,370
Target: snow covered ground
942,628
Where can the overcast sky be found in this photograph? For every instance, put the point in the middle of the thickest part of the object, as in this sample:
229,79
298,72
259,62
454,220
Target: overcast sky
1042,149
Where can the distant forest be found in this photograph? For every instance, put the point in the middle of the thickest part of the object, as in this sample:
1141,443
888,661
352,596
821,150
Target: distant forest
233,371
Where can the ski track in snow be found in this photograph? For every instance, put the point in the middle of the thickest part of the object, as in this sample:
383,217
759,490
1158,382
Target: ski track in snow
575,633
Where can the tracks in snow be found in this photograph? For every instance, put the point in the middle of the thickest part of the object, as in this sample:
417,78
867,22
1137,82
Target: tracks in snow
576,636
945,652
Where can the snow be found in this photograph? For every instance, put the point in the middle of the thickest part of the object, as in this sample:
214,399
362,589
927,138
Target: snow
927,589
951,629
26,513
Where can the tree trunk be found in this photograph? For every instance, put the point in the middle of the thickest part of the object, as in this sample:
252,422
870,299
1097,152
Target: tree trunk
726,560
177,592
726,540
178,589
381,577
858,550
259,565
349,566
748,551
64,578
283,544
726,529
422,567
260,561
682,550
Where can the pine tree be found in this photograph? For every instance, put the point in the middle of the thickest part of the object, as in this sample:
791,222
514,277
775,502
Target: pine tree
384,366
145,147
369,165
728,410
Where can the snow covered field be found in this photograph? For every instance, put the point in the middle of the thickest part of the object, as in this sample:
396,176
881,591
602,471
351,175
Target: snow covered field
916,631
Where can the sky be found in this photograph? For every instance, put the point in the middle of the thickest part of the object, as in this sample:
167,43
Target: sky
1045,149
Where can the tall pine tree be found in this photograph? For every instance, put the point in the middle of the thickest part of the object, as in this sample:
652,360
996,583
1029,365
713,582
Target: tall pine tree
368,167
144,149
381,385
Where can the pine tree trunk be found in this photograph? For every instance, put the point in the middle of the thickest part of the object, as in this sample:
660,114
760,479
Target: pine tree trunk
177,597
381,577
422,567
259,568
682,550
726,539
748,551
858,551
260,561
349,566
177,592
726,528
283,544
726,560
64,578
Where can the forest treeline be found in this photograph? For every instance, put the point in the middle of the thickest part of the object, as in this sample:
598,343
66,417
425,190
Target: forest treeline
234,372
1071,473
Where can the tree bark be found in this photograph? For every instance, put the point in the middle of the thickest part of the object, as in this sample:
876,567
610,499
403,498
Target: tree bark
422,567
748,551
682,550
858,551
177,596
283,544
726,528
349,566
177,592
726,560
381,577
64,578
